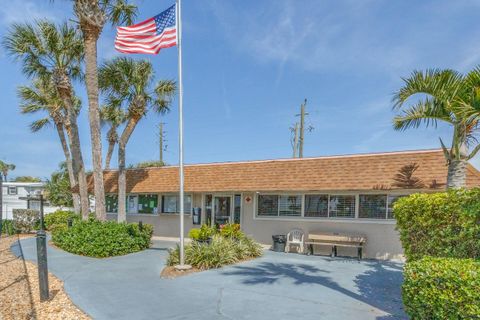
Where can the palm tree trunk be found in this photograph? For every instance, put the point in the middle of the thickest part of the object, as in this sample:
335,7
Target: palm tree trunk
65,91
112,140
79,168
122,174
68,160
111,146
457,164
457,174
91,79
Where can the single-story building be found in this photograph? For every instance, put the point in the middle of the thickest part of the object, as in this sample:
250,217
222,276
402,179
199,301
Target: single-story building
347,194
13,194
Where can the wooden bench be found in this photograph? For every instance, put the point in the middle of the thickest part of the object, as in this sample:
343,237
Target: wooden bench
335,239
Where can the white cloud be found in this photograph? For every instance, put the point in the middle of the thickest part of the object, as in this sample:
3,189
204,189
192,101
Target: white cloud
346,36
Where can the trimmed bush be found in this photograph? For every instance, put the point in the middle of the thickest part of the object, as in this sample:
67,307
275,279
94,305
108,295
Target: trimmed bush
8,228
442,288
102,238
59,217
25,220
220,252
442,224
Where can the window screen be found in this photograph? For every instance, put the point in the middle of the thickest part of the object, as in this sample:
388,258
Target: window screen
170,204
342,206
372,206
316,205
290,205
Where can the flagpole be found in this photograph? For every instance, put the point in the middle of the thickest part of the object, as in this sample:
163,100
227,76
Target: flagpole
178,20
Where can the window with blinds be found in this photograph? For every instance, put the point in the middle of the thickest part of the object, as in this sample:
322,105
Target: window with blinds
341,206
267,205
290,205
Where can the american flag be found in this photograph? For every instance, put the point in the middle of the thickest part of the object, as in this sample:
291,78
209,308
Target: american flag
150,35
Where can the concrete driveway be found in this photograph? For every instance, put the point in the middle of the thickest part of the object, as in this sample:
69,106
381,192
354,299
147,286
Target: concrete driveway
275,286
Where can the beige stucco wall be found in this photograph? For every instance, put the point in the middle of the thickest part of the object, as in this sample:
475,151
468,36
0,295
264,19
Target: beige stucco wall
382,238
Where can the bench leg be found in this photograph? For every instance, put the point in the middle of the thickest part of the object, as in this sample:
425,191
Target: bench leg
359,250
311,249
334,252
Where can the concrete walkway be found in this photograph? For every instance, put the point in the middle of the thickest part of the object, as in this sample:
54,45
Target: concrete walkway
276,286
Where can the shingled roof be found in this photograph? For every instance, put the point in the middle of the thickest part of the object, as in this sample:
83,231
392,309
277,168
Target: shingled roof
330,173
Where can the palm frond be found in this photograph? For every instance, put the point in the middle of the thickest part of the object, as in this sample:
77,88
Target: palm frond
426,112
38,125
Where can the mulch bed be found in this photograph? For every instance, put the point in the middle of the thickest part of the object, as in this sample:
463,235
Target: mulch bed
19,292
172,273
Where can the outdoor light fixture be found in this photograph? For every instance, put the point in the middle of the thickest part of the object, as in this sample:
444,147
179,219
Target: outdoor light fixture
41,248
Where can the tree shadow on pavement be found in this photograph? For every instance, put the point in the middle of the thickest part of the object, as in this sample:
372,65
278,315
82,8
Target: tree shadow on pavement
379,286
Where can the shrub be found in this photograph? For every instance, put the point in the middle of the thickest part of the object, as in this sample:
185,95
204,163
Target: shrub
442,224
60,217
442,288
103,238
220,252
25,220
8,227
203,233
231,230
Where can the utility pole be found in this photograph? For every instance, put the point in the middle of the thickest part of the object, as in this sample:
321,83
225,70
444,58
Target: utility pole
295,140
161,141
302,128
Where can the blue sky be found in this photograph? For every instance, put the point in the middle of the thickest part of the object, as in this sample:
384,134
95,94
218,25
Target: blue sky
249,64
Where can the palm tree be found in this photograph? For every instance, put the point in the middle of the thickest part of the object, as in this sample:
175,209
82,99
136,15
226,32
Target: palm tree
127,84
92,15
445,96
5,168
114,116
55,54
42,96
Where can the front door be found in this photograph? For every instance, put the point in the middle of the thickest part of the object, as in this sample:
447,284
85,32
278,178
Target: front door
222,208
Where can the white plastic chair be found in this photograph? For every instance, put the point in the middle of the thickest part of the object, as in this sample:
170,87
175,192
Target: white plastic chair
295,237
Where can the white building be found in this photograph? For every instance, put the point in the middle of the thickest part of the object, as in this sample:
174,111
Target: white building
13,191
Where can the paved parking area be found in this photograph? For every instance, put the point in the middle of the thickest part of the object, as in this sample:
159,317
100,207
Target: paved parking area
275,286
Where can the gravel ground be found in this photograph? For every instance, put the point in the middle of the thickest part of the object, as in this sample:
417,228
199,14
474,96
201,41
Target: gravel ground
19,293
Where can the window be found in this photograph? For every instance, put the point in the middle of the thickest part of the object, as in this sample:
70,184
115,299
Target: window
237,208
111,203
290,205
372,206
208,208
171,204
316,205
391,200
148,203
283,205
267,205
341,206
12,190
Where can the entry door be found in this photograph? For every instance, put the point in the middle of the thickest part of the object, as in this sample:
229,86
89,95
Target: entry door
222,208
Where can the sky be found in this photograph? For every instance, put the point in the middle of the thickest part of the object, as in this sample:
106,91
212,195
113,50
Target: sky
248,65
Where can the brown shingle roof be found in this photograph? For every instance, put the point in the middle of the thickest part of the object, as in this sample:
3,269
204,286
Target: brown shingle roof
352,172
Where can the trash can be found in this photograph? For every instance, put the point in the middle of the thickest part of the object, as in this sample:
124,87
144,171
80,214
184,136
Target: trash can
279,242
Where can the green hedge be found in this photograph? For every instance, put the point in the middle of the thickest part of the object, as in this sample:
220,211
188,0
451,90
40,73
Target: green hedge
8,228
102,238
60,217
442,224
442,288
